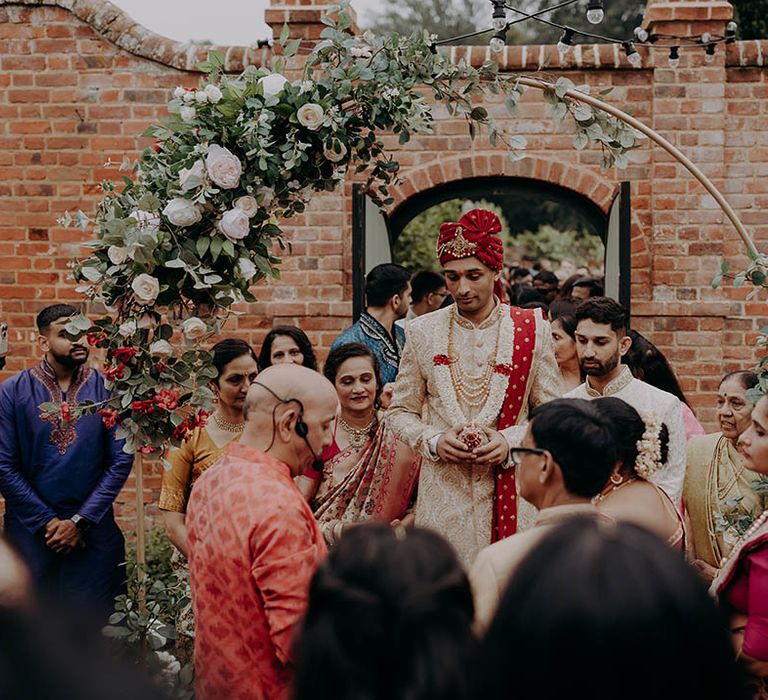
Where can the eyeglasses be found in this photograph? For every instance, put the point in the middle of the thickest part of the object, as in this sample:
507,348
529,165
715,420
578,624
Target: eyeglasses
516,453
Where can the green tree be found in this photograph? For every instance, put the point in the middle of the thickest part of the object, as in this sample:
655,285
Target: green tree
582,248
415,247
752,17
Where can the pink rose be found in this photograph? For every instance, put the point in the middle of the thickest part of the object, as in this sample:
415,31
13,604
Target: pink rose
224,167
235,224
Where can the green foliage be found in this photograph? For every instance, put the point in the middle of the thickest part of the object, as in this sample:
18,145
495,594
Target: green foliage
582,248
752,18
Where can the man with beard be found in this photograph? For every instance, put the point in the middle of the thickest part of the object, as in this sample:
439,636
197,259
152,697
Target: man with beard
60,477
388,298
601,342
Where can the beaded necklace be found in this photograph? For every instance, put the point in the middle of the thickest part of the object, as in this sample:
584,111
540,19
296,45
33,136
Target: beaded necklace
227,426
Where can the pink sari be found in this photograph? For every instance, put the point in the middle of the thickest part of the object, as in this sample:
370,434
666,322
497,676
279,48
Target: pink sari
379,485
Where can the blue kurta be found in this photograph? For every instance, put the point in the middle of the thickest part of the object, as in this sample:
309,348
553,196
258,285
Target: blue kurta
56,470
369,331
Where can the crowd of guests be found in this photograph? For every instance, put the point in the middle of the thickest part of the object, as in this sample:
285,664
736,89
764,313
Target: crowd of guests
310,580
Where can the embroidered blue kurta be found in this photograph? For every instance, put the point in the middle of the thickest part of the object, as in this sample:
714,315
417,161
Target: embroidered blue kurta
56,469
369,331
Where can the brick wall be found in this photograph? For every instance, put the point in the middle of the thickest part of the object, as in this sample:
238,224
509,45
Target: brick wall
78,85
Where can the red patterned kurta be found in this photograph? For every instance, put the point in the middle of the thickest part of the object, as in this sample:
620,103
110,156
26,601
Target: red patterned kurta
253,547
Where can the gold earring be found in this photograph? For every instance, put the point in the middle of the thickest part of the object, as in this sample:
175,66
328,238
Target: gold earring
616,478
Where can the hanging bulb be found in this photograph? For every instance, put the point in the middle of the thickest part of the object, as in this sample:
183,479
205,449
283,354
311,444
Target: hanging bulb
674,57
709,53
730,31
498,41
706,37
499,20
566,43
641,34
632,56
595,12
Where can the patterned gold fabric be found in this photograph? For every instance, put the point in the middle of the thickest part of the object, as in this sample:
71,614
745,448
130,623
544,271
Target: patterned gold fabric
456,500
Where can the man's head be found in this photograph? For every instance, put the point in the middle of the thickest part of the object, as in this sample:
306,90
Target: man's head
389,285
546,283
568,450
428,291
587,287
61,347
601,335
520,275
472,256
289,413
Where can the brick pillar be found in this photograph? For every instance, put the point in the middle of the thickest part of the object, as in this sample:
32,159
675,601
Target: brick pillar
302,17
689,109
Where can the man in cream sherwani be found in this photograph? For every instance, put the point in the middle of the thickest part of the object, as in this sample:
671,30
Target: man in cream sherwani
468,375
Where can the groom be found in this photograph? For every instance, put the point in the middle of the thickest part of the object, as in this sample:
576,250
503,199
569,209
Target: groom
468,376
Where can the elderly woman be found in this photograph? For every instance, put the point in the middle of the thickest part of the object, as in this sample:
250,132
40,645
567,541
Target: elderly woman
719,493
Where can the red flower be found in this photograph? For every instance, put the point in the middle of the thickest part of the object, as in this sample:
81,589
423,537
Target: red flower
167,399
66,412
95,339
113,373
148,450
109,417
503,369
441,360
181,431
124,354
201,419
161,366
156,146
147,406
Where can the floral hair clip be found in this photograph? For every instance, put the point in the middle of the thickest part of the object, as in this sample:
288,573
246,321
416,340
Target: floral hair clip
649,448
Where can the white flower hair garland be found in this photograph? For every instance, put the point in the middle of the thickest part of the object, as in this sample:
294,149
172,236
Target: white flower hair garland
649,447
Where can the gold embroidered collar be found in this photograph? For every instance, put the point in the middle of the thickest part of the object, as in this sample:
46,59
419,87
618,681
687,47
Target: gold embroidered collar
614,386
491,319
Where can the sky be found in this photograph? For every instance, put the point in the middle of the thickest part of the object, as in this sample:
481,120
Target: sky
228,22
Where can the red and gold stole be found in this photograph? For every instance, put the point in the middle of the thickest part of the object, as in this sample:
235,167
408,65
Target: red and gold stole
519,371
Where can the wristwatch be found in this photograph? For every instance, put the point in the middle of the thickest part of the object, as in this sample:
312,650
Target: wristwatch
81,523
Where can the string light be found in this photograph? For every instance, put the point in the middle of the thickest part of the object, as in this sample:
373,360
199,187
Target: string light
730,32
632,56
674,57
641,34
498,41
595,12
499,20
709,53
565,43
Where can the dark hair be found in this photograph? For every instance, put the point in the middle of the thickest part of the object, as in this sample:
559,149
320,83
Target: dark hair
629,428
425,282
581,441
604,310
747,378
520,294
537,305
595,286
227,350
605,610
389,618
519,273
298,336
564,310
548,277
53,313
383,282
647,363
341,353
567,286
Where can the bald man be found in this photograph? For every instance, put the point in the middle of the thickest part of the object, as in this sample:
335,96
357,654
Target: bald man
253,542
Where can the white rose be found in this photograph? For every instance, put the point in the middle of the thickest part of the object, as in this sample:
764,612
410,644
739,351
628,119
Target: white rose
179,92
304,86
145,287
187,114
189,96
224,168
272,84
191,178
127,329
248,204
147,320
311,116
235,224
182,212
246,269
193,328
214,93
267,194
160,347
333,155
117,255
145,219
201,97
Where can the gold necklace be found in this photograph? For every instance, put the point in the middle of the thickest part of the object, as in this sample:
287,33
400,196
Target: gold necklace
357,436
227,426
473,391
612,489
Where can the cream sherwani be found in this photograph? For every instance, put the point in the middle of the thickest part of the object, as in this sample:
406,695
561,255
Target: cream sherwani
647,399
456,500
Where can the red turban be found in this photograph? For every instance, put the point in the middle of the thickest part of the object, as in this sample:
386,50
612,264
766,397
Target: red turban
472,236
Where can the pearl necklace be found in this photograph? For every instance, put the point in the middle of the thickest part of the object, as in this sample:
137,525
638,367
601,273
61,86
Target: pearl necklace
473,391
227,426
758,523
357,436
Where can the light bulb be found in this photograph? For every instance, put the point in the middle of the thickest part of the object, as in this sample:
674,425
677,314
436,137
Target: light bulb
563,49
565,43
674,57
706,37
499,20
709,54
632,56
731,27
497,44
641,34
595,16
499,23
